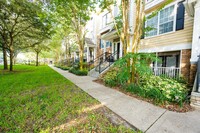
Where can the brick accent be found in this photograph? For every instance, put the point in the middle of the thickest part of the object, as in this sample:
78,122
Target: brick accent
193,70
99,50
185,63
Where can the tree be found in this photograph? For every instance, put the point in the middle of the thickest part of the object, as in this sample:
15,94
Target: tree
2,46
75,14
38,49
20,21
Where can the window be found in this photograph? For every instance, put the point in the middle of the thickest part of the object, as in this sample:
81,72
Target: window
168,59
166,22
106,20
101,44
161,23
108,44
152,23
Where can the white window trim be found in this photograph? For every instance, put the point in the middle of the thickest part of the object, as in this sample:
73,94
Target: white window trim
106,23
174,25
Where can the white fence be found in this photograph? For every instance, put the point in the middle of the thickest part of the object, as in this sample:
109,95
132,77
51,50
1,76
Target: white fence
166,71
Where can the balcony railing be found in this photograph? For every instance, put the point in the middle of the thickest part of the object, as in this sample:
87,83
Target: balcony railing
166,71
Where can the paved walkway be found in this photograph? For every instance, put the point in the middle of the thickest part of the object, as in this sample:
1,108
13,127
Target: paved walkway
142,115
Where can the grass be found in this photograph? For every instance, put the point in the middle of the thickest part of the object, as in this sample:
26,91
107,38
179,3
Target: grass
38,99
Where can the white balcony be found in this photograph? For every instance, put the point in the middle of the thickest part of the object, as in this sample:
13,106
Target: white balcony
171,72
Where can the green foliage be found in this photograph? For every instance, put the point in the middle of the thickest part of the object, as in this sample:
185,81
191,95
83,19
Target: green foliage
46,101
158,88
78,72
172,90
63,67
139,65
77,65
110,78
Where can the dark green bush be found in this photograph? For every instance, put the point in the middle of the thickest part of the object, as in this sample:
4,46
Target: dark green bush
110,78
62,67
78,72
160,89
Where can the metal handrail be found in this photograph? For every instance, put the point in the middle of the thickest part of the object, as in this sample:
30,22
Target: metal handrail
107,59
98,60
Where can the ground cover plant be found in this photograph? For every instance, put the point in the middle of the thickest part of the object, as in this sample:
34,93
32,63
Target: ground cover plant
160,90
38,99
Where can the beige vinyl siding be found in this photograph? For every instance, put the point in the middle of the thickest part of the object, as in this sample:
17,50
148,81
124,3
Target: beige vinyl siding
176,37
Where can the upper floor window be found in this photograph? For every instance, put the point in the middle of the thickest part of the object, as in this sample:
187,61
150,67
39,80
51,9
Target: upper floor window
152,23
166,20
162,23
105,20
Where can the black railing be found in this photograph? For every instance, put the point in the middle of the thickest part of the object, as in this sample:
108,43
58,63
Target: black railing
106,62
198,75
102,62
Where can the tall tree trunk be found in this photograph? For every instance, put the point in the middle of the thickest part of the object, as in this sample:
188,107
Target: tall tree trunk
81,57
11,60
5,62
37,56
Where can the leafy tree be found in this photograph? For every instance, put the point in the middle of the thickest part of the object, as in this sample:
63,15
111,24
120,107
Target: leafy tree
38,49
21,22
2,46
75,14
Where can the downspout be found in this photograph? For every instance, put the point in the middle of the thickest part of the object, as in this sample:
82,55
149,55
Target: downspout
189,8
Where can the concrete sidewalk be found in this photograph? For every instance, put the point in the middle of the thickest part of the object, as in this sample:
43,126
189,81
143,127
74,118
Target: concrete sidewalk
142,115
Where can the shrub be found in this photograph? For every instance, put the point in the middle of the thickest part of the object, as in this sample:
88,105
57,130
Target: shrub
110,77
78,72
160,89
62,67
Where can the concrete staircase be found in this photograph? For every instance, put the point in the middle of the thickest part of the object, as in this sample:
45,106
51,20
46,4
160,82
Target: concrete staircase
93,73
195,96
102,64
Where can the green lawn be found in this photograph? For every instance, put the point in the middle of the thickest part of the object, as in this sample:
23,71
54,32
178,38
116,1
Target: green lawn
37,99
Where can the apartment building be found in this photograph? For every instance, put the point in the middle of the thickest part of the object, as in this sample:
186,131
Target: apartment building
175,37
172,39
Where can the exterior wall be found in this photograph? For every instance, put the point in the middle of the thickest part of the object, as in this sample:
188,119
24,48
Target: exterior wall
185,63
99,50
193,70
178,37
177,40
